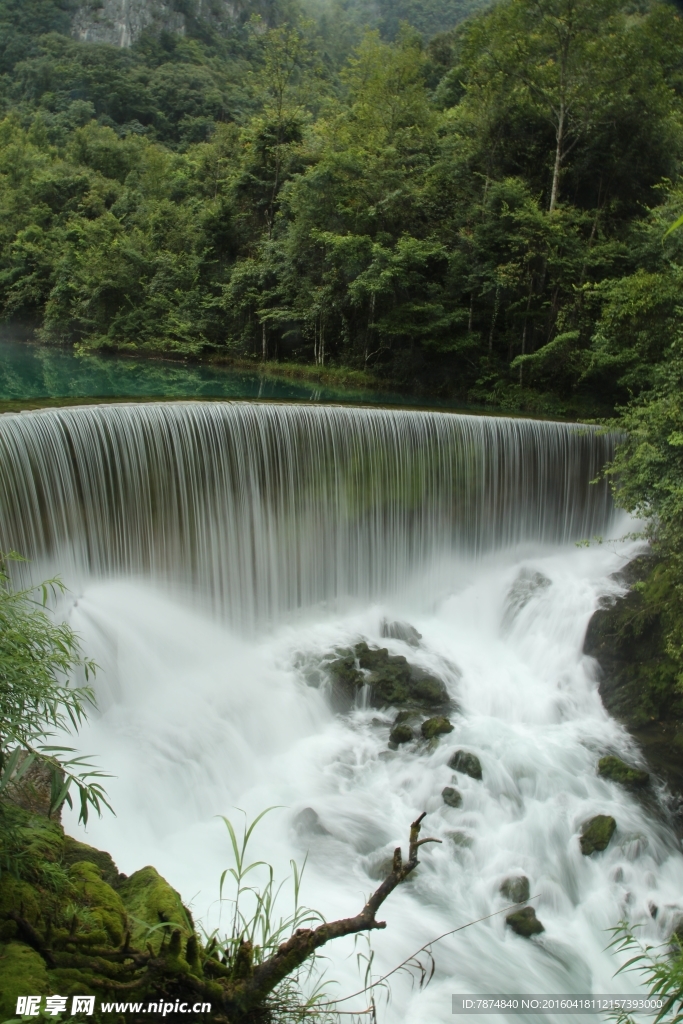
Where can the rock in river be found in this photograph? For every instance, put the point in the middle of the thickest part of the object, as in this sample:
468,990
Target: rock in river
524,922
392,680
516,889
596,834
401,733
616,770
466,763
451,796
437,726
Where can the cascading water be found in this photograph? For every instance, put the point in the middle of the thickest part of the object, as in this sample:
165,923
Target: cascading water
351,517
266,508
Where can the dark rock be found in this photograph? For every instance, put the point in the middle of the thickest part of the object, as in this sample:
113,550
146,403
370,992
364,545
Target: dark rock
437,726
451,796
393,681
307,822
638,677
407,716
524,922
466,763
596,834
428,691
527,585
616,770
516,889
346,679
401,631
401,733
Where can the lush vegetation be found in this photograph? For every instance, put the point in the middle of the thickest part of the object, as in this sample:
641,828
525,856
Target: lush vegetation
480,212
38,658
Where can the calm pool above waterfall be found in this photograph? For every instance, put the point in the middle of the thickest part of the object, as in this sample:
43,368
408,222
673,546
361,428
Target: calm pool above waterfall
32,371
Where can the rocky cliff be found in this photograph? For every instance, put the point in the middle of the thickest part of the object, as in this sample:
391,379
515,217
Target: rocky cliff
121,22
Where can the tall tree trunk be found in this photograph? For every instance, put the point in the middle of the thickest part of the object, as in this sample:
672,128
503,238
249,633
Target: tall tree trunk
559,135
526,325
264,342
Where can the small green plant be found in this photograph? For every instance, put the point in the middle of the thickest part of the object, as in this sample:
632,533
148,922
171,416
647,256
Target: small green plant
38,657
662,970
257,929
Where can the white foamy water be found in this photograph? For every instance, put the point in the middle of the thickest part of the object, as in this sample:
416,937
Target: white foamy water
197,721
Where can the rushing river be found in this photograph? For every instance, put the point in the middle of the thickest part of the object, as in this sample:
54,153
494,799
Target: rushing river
218,553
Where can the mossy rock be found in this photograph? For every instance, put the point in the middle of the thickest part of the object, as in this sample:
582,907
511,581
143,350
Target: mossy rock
150,901
597,833
346,679
401,733
22,973
524,922
106,909
639,679
437,726
516,889
466,763
616,770
70,981
18,894
393,681
41,839
73,851
451,797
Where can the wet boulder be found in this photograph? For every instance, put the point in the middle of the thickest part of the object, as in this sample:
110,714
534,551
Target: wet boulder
616,770
437,726
400,733
346,679
515,889
524,922
466,763
528,585
451,797
401,631
597,833
392,680
308,823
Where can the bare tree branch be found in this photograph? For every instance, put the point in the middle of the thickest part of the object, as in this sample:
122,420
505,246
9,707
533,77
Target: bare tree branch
292,953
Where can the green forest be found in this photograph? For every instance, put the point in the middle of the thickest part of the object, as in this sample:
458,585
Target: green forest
478,212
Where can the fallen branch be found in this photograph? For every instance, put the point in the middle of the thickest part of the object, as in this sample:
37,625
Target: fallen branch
305,941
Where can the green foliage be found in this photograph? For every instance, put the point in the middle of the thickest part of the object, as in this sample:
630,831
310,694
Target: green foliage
648,473
480,216
661,968
258,928
37,658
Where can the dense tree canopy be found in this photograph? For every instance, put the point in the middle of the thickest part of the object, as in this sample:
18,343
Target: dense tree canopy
481,213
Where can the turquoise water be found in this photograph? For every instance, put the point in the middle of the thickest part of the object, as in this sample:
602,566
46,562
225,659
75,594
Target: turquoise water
32,371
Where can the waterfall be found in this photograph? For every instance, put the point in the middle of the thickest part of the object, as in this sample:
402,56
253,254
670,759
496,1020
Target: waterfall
265,508
194,531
